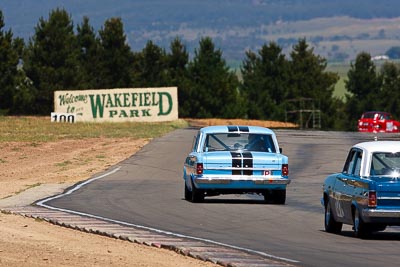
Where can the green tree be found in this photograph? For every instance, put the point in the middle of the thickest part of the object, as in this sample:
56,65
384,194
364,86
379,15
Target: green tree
150,67
362,77
24,96
249,82
89,51
264,83
116,56
9,58
311,85
51,61
177,65
389,95
363,84
215,87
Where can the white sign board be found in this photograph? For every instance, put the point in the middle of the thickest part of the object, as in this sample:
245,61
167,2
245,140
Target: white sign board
118,105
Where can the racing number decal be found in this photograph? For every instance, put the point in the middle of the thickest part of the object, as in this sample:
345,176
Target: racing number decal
338,207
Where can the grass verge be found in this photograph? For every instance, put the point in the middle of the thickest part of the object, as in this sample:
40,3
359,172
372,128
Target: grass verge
41,129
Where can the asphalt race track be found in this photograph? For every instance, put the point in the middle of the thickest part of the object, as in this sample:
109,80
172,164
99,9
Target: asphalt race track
147,190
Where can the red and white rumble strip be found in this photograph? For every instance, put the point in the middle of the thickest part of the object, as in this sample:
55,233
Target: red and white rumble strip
197,248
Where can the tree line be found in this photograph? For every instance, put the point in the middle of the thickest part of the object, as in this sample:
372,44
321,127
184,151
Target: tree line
269,85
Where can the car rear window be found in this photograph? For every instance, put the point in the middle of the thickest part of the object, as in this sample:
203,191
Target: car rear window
239,141
385,164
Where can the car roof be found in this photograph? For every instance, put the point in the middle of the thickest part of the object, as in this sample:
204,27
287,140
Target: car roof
236,129
380,146
380,112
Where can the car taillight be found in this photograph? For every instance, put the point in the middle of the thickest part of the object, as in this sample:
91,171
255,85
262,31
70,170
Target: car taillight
372,202
285,169
199,168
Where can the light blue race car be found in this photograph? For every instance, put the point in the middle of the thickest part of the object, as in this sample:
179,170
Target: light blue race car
236,160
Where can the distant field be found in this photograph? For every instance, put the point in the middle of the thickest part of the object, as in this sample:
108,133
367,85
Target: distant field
342,70
346,35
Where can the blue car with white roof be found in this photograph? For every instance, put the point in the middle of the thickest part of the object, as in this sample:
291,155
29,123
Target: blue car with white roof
366,194
236,160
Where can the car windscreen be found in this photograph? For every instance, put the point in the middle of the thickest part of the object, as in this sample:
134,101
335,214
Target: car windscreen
239,141
368,115
378,116
385,164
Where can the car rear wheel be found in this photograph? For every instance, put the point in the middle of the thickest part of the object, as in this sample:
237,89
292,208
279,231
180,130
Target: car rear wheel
331,225
279,196
197,194
360,228
188,193
275,196
267,196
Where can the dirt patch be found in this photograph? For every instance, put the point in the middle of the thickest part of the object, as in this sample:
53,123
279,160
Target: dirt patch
268,124
24,164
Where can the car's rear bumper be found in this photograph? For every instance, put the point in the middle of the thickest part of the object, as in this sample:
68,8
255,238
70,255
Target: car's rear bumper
379,216
228,181
381,213
373,130
237,182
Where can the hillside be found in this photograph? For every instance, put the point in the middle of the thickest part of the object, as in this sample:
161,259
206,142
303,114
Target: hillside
338,30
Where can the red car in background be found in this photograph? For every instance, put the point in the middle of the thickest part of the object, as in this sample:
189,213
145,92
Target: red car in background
378,121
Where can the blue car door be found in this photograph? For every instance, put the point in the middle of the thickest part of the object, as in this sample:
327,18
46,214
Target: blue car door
345,186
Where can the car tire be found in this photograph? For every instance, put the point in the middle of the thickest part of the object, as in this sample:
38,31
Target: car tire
331,225
267,196
197,194
279,196
360,228
188,193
